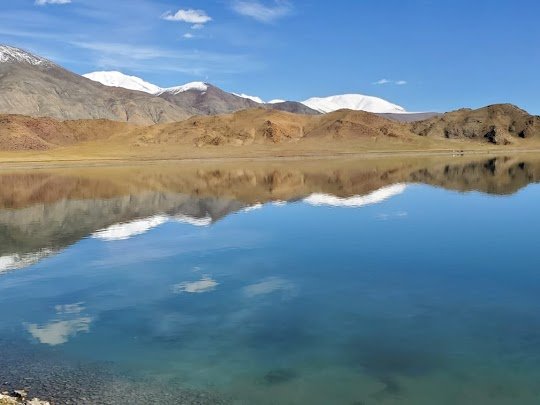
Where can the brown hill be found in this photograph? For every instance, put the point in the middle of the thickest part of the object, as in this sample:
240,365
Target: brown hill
262,132
258,126
19,132
498,124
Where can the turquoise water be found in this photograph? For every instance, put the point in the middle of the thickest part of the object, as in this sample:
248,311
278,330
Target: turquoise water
414,295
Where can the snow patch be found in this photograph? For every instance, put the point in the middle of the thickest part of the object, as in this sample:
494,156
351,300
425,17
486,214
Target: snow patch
353,102
11,54
276,101
196,86
252,98
119,79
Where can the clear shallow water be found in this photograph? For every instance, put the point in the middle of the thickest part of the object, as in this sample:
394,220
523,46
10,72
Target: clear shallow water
409,294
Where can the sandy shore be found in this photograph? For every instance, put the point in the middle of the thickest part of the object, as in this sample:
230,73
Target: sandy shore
18,160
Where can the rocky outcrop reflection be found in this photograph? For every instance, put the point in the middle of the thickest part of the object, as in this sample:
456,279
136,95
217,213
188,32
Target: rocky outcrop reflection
498,175
44,211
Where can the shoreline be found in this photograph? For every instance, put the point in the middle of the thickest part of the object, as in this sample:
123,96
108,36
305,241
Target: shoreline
126,161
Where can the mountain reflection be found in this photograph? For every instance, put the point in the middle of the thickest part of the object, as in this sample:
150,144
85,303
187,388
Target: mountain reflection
44,211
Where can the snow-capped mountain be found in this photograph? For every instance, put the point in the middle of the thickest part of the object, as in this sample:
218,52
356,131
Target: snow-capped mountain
252,98
197,86
353,102
11,54
118,79
319,104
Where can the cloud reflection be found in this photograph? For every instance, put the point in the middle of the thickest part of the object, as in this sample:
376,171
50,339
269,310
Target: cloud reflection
203,285
269,286
59,331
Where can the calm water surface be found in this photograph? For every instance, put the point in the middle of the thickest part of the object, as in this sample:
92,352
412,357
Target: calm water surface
387,283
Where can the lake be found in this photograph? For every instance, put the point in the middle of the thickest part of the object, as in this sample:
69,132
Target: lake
375,281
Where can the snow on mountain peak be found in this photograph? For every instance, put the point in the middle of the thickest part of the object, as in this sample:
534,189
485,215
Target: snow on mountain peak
276,101
118,79
197,86
252,98
353,102
11,54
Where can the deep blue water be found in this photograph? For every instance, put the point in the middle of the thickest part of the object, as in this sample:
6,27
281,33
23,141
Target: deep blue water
427,297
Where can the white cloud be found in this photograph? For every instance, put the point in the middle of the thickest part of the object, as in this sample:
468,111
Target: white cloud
188,35
190,16
197,26
45,2
262,12
387,81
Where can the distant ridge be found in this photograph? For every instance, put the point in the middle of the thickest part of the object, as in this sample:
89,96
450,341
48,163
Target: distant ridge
321,105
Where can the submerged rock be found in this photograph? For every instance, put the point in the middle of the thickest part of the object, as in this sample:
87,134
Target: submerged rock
19,398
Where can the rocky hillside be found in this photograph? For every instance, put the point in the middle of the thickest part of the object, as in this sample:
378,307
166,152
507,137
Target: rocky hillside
500,124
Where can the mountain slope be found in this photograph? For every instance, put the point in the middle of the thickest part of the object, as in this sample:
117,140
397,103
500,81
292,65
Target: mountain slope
34,86
353,102
199,98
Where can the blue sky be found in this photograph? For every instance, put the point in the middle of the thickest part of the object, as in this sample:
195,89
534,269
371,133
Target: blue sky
421,54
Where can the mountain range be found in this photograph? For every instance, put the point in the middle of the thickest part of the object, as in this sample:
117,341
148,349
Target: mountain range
319,104
32,85
46,107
